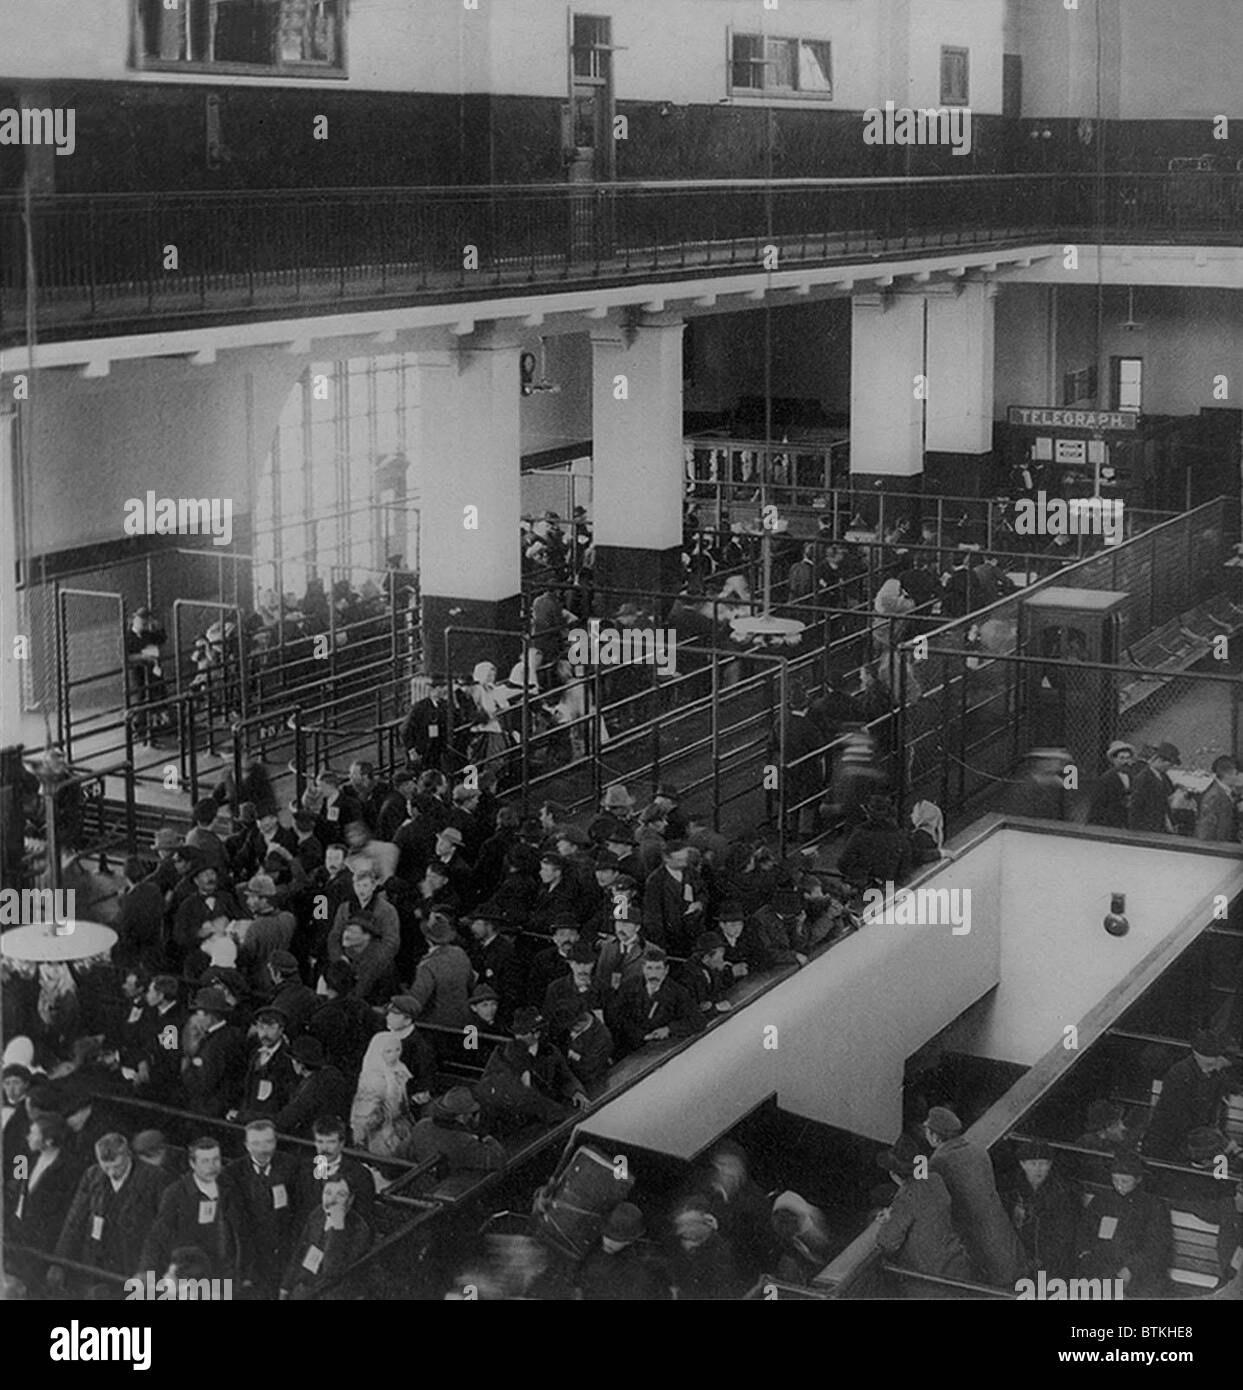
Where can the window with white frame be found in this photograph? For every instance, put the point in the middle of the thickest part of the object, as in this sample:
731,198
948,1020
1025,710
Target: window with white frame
1127,385
592,36
955,76
277,36
764,66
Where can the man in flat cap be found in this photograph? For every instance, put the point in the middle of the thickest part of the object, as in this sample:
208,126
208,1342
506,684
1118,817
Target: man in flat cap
979,1216
623,1267
212,1077
1106,1128
443,978
589,1049
417,1054
1124,1233
706,976
1151,789
495,959
568,995
321,1090
916,1229
558,895
296,1000
1191,1096
270,1079
674,902
449,1131
1111,797
528,1080
270,930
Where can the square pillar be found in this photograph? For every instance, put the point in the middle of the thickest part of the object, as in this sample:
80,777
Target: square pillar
886,412
637,463
471,502
959,434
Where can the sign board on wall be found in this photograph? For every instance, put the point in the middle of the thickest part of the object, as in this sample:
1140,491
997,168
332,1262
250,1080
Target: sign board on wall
1051,417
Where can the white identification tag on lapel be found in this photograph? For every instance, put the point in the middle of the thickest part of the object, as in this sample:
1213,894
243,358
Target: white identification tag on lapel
313,1258
279,1197
97,1228
207,1211
135,1013
1109,1224
265,1090
433,731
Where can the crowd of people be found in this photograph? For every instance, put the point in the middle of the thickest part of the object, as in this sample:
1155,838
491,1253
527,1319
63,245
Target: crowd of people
281,636
1063,1214
309,969
1135,791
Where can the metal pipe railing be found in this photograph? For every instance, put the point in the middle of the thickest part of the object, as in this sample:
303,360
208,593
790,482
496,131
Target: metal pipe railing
93,257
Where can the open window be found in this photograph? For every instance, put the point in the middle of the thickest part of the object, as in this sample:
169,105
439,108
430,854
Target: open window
241,36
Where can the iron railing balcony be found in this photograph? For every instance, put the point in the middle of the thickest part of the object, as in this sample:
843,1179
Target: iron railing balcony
90,264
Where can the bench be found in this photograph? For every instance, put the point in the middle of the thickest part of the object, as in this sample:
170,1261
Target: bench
1176,646
1194,1258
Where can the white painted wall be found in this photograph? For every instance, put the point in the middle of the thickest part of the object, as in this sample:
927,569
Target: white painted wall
159,424
976,25
1057,961
669,50
1188,338
1171,61
845,1026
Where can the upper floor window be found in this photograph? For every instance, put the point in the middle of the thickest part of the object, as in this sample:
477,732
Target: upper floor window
591,47
955,88
1126,386
305,36
780,67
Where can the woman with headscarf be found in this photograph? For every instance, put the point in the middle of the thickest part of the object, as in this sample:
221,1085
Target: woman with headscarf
380,1117
927,833
892,602
490,701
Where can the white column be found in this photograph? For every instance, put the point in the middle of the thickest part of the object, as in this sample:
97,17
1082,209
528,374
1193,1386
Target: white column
470,496
637,463
960,370
11,669
886,365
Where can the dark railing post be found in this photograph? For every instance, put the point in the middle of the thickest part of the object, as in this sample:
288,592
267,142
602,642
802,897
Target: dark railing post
131,818
783,705
944,663
189,745
64,716
716,738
